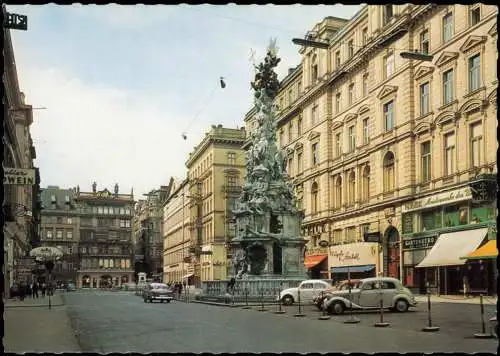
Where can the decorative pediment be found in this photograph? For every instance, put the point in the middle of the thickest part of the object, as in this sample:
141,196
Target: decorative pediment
445,57
387,90
471,42
493,30
298,146
363,109
471,105
289,151
422,128
350,117
337,124
445,117
422,71
312,135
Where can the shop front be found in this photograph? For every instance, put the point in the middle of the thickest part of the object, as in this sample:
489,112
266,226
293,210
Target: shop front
356,261
316,263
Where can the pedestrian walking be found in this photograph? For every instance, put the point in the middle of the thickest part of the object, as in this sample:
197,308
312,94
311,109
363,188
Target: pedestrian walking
180,290
36,287
44,289
22,290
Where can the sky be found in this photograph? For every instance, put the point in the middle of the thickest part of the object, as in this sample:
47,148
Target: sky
114,87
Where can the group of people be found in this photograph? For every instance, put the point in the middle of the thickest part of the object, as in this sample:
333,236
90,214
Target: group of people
177,287
33,289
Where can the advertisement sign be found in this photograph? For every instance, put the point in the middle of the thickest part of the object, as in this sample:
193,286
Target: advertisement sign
19,176
438,199
419,243
354,254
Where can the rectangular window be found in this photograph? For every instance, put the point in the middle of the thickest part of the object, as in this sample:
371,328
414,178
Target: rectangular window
424,41
337,103
352,138
290,96
231,158
122,211
449,154
366,131
337,60
69,234
351,233
364,36
299,126
299,162
448,87
100,210
424,98
365,85
59,234
474,72
388,13
350,48
290,166
476,137
338,144
351,93
49,234
475,14
389,65
447,27
314,149
388,116
299,87
314,113
426,161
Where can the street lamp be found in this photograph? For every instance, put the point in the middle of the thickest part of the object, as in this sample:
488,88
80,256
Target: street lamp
419,56
48,256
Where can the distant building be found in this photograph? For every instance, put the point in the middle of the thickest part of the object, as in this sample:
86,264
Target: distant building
215,171
105,230
59,228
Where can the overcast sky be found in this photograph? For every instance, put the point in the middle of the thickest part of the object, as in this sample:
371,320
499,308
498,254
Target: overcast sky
122,83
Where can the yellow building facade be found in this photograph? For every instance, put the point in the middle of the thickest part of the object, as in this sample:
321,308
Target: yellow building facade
216,171
354,118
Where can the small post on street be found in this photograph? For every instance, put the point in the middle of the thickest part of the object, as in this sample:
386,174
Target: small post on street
262,301
352,319
278,302
232,297
482,334
246,299
299,314
429,327
381,323
324,316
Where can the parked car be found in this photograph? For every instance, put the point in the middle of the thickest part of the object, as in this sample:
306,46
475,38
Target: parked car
157,291
342,285
70,287
367,296
308,290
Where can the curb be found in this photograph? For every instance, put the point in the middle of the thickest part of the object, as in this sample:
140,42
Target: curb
32,306
229,305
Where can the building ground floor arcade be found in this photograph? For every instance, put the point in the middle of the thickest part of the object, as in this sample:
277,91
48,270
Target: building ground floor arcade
104,279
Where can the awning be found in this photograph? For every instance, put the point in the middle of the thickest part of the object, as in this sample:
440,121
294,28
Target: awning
451,246
487,251
352,269
188,275
311,261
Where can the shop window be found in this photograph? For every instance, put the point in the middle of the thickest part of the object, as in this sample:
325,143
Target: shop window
431,220
482,214
430,277
454,216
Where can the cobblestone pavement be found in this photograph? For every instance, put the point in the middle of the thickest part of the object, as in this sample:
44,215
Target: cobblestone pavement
119,322
40,329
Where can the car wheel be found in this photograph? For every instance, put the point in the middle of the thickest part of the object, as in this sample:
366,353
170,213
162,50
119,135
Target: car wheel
287,300
401,305
336,308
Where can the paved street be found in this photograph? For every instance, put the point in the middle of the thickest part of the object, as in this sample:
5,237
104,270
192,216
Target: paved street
122,322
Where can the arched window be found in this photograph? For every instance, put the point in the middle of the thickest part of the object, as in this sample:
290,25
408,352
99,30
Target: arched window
338,192
314,198
388,172
365,186
352,187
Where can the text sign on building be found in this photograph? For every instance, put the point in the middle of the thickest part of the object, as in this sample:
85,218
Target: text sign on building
15,21
317,251
438,199
19,176
354,254
419,243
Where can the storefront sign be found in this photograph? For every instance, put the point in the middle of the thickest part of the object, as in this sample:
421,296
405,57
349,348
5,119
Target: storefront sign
419,243
353,255
317,251
19,176
438,199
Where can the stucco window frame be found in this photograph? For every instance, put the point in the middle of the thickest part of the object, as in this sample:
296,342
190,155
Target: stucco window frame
448,11
477,117
448,178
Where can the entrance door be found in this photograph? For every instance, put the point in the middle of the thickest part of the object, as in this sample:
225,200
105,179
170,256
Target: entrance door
392,260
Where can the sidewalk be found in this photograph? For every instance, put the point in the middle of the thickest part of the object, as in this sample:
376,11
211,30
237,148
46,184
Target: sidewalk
31,329
456,299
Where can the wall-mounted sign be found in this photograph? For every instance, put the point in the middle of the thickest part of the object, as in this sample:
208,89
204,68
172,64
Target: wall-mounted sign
315,251
438,199
419,243
407,224
19,176
372,236
354,254
15,21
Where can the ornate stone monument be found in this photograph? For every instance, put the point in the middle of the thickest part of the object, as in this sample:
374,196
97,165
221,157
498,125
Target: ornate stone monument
267,243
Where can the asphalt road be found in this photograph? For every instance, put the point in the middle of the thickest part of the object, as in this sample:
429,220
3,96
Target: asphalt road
122,322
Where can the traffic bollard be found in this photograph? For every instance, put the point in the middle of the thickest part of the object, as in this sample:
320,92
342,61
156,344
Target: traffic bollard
381,323
299,314
262,301
429,327
482,334
324,315
278,302
246,300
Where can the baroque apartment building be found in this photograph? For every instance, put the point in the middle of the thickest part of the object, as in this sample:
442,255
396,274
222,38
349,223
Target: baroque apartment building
105,231
371,136
177,266
59,228
216,171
